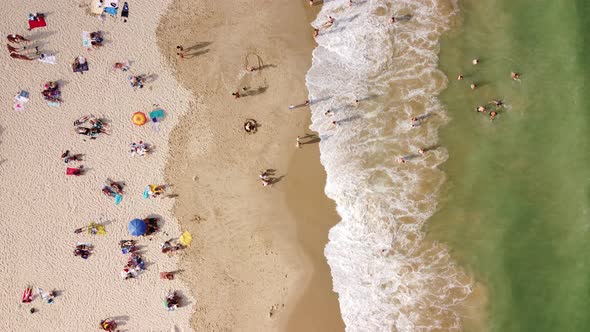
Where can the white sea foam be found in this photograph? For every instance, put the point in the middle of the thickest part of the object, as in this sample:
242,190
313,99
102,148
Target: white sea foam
387,276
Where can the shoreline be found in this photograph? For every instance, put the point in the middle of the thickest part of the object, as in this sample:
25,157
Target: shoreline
251,267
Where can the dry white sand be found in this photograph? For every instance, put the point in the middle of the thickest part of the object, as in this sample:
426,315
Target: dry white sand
41,206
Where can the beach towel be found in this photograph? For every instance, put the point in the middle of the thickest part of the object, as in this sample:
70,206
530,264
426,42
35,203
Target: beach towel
20,100
47,58
125,11
96,7
38,23
111,7
118,199
81,68
73,171
86,39
53,103
27,295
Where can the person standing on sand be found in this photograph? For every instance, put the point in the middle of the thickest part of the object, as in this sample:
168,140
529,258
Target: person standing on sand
180,51
236,94
298,145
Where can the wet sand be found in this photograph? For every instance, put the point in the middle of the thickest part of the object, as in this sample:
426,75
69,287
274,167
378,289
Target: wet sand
257,261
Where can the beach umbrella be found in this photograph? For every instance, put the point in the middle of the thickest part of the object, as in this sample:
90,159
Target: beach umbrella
137,227
138,118
185,239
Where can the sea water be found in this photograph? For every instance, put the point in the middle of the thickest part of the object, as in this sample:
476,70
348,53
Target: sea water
387,275
515,207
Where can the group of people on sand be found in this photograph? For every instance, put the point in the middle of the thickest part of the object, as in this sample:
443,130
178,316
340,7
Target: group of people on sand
83,250
51,92
170,247
140,149
16,52
96,126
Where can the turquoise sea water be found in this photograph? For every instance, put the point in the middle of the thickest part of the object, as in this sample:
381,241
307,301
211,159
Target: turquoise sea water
515,207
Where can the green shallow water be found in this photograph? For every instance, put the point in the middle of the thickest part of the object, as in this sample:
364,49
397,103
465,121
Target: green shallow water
515,207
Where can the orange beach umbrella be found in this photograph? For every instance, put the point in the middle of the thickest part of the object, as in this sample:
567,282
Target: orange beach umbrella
138,118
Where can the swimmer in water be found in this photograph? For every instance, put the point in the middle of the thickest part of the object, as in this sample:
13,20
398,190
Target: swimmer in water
311,3
515,76
392,20
414,122
498,103
493,115
475,61
460,77
329,113
473,86
481,109
421,152
316,32
401,160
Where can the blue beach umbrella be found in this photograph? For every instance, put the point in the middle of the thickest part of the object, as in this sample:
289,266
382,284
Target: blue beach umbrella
137,227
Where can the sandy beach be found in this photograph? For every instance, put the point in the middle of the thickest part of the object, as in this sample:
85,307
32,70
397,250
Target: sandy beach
42,206
258,260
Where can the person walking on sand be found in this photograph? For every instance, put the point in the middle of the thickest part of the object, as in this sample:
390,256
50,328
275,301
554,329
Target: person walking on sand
307,102
180,51
298,144
236,94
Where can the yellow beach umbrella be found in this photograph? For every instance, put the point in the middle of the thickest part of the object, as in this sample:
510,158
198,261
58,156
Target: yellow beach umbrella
185,239
138,119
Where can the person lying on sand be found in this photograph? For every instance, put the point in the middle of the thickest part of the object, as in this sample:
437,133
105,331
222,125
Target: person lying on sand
14,38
